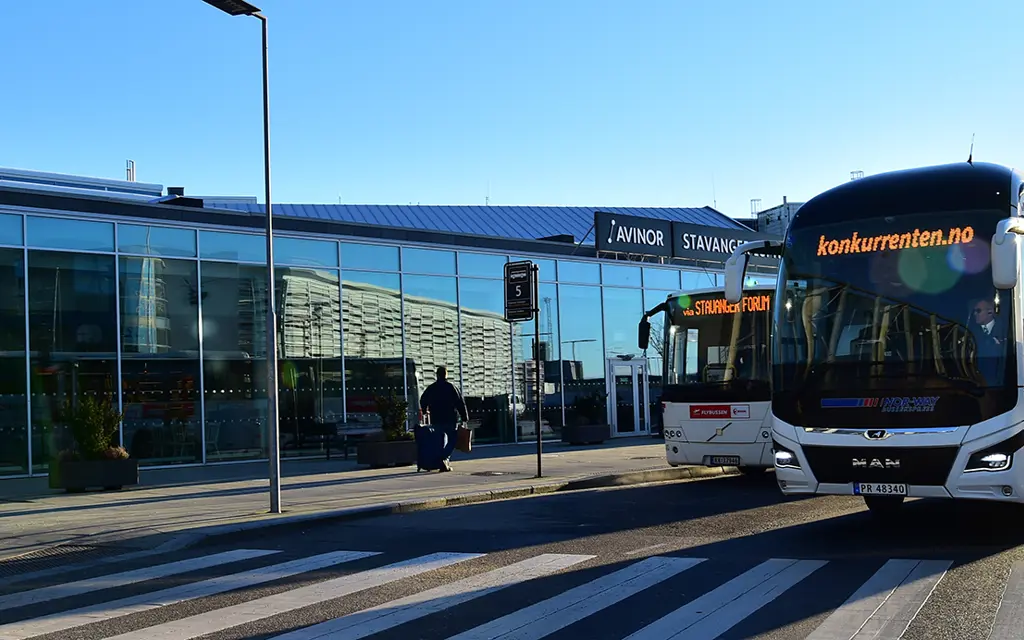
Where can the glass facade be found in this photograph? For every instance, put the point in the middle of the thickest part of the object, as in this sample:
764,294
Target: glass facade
170,322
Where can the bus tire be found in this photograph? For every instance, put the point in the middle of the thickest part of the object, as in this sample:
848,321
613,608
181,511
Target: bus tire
884,505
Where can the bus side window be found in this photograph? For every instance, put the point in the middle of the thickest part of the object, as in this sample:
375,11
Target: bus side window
692,355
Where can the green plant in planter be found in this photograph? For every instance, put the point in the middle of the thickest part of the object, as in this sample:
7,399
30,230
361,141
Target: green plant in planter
393,410
94,422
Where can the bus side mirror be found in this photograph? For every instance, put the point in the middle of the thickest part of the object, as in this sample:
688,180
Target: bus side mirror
1006,253
735,270
644,334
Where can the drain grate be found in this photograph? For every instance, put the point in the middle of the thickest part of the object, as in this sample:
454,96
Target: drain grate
53,557
496,473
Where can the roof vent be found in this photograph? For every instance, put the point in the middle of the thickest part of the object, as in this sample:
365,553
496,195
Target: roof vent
175,191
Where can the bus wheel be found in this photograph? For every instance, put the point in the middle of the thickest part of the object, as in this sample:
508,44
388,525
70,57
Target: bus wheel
884,505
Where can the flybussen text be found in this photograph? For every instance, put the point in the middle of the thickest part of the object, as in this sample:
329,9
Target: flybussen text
890,241
720,306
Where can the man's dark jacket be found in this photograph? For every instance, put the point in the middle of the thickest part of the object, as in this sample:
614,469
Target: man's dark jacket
444,402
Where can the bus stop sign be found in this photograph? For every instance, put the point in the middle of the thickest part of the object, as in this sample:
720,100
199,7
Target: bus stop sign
519,286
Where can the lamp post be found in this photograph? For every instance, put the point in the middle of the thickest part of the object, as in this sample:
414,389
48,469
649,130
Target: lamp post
242,8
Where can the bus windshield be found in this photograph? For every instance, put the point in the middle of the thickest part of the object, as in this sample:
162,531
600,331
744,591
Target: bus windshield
714,348
895,314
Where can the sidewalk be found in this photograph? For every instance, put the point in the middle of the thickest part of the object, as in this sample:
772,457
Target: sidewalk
175,507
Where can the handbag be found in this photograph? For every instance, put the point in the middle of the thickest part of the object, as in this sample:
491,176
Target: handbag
464,439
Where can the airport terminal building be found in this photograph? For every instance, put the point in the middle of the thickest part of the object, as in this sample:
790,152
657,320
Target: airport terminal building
159,302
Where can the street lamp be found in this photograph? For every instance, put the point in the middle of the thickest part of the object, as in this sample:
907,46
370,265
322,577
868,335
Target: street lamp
242,8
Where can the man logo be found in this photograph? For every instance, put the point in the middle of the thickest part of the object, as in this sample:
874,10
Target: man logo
876,434
875,463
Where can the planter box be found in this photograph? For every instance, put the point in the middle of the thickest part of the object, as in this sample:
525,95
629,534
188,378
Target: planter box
397,453
79,475
586,434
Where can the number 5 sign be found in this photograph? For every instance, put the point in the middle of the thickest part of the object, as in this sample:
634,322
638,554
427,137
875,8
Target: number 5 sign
519,285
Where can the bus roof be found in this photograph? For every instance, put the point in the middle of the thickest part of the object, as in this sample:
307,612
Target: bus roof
959,186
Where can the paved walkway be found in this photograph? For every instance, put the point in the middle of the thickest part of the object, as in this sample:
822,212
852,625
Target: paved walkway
176,504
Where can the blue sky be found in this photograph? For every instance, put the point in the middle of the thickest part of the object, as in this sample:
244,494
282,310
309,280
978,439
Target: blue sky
575,102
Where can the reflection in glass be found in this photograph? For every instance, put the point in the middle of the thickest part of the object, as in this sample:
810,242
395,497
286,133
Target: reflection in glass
10,229
583,346
156,241
655,356
309,351
667,279
428,261
64,233
431,332
620,276
13,416
372,313
551,370
486,359
160,360
72,338
369,256
583,272
482,265
693,280
221,245
546,267
622,311
234,323
307,252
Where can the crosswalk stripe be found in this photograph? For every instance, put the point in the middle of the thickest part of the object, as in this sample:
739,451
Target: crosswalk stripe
717,611
884,606
551,615
174,595
66,590
1007,624
391,614
266,607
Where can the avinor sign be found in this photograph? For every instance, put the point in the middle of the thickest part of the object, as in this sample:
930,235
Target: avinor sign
669,239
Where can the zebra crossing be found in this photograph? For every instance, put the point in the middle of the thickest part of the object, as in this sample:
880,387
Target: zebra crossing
352,594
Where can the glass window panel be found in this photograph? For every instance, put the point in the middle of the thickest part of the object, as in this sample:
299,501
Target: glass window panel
583,272
376,257
655,357
621,276
661,279
10,229
65,233
622,311
73,341
309,347
486,360
547,267
693,280
13,399
234,360
372,313
156,241
431,332
243,247
305,252
582,354
160,360
428,261
482,265
551,370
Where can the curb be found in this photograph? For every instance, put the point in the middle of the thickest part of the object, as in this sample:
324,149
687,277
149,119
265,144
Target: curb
628,478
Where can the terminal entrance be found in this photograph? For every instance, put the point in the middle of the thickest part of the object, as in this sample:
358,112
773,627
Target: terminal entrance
629,393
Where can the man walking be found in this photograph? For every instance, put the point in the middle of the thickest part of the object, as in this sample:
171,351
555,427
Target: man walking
446,406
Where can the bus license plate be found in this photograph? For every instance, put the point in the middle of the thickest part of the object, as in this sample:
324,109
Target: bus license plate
879,489
724,461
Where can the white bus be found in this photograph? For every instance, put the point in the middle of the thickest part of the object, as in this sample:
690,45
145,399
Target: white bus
896,370
715,391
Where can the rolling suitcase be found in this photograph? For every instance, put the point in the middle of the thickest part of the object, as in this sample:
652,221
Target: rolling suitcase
429,448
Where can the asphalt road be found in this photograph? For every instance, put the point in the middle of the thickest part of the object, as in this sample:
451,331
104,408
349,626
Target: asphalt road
724,558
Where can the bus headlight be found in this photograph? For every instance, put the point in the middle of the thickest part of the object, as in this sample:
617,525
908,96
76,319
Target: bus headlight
998,457
784,458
